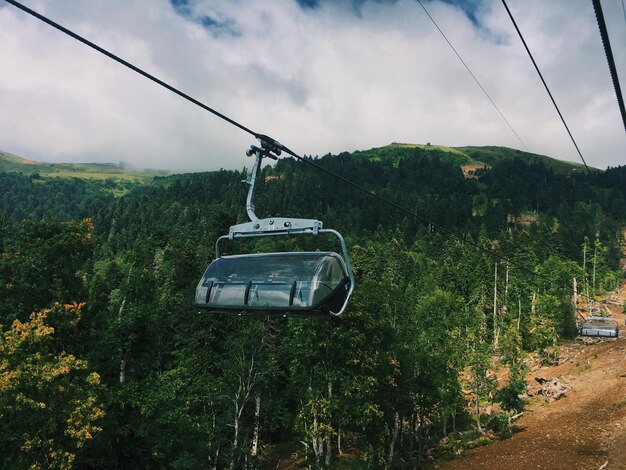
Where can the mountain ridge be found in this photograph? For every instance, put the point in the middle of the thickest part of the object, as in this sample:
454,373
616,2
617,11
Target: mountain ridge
471,155
469,158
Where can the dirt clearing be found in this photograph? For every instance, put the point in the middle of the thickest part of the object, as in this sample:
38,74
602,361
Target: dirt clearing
584,430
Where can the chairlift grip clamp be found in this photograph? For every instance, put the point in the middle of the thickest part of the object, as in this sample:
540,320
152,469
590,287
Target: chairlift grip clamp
254,150
270,144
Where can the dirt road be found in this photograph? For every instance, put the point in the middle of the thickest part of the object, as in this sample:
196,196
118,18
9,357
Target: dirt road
584,430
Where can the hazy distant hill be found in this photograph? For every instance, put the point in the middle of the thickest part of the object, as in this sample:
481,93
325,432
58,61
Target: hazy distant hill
10,162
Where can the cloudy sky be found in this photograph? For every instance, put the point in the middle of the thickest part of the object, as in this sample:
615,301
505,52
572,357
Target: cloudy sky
318,75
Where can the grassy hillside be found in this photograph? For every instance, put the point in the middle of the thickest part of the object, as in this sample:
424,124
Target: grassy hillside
490,155
397,151
465,156
10,162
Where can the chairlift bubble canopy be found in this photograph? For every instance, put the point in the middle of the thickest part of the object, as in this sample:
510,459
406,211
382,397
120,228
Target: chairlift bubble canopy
599,326
286,283
300,283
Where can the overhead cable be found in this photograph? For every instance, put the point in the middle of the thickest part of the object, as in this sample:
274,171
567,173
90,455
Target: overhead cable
545,84
597,6
472,74
128,64
263,138
213,111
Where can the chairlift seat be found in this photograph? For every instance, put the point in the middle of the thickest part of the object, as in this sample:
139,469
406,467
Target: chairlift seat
599,326
293,283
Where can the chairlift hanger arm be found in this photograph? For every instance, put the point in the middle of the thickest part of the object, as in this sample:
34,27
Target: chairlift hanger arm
276,225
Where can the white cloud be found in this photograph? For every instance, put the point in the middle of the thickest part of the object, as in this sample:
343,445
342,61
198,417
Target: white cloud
319,80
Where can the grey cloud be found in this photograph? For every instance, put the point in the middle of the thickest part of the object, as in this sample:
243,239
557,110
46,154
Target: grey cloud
319,78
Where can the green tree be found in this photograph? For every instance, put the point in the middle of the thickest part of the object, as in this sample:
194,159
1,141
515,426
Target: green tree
41,264
482,380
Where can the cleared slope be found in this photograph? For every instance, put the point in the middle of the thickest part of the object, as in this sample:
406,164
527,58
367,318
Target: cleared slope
490,155
586,429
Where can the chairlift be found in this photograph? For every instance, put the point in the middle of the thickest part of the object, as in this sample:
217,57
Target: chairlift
599,326
286,283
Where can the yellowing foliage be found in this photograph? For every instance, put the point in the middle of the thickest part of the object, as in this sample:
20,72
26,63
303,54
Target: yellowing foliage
49,402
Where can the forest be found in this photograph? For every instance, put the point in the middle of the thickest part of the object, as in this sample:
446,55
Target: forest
105,363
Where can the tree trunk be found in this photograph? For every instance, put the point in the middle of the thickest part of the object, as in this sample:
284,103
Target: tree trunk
339,442
506,284
236,436
328,441
122,350
420,441
217,451
478,425
593,277
120,313
122,366
317,442
247,382
585,278
412,429
504,309
396,429
255,437
495,306
328,453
